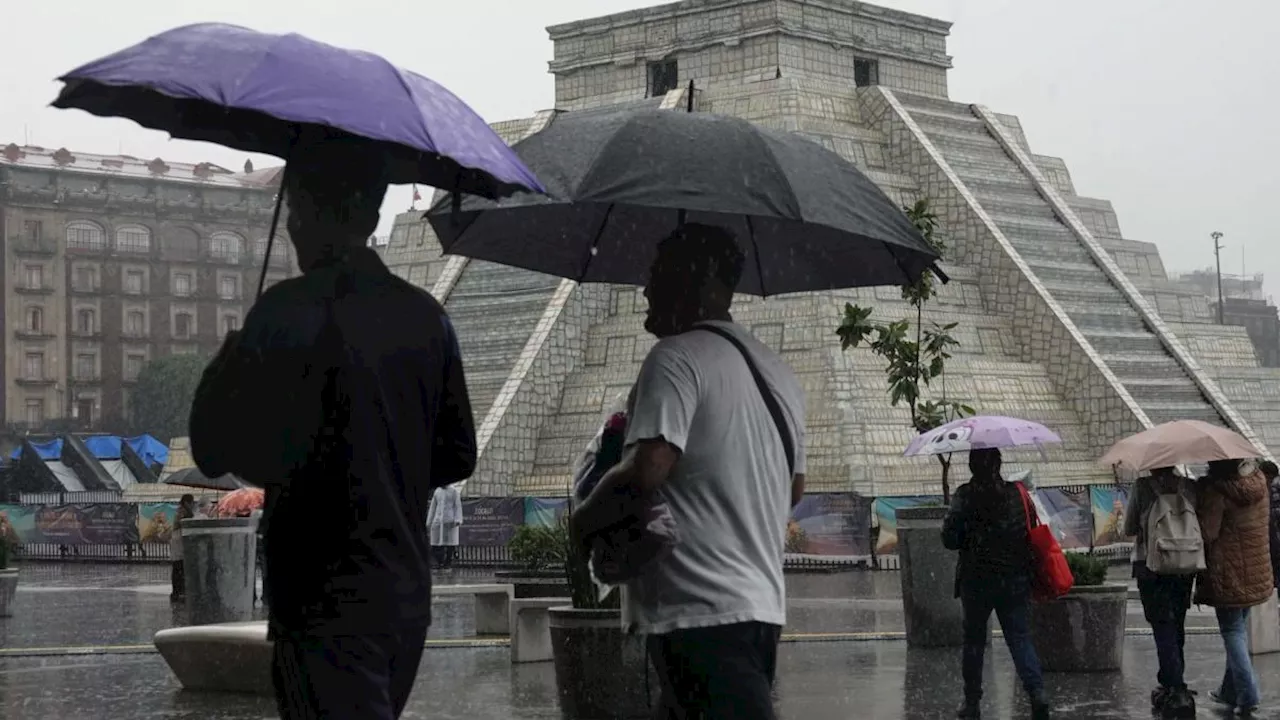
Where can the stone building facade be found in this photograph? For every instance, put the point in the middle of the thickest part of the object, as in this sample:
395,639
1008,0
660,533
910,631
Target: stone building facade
111,261
1061,318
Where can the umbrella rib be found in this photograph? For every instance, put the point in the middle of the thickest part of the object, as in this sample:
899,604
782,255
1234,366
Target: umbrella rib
595,242
755,248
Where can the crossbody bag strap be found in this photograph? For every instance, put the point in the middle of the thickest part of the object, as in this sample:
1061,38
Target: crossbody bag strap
770,400
1027,510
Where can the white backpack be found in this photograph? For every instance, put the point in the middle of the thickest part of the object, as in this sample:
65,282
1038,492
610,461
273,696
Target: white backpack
1174,543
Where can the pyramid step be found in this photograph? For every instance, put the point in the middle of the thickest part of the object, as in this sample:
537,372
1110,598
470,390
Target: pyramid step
1096,292
1163,390
1144,365
1062,250
1161,413
1105,316
1123,342
977,145
912,102
976,163
1030,225
946,120
1065,271
1001,185
1018,206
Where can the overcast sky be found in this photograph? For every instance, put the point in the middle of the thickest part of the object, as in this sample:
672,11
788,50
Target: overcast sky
1165,107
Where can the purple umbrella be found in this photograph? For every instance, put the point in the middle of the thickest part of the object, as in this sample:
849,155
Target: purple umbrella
981,432
257,92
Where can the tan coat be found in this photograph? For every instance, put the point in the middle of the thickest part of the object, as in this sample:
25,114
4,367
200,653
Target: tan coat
1235,522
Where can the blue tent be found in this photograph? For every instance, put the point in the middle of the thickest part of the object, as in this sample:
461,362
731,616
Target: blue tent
151,450
106,447
103,447
47,450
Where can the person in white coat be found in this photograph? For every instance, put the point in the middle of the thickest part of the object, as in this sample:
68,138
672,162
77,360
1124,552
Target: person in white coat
444,519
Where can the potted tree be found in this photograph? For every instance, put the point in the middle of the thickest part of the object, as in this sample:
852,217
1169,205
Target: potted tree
540,551
915,356
8,575
601,669
1082,631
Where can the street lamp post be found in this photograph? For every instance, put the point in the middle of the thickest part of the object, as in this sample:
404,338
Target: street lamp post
1217,255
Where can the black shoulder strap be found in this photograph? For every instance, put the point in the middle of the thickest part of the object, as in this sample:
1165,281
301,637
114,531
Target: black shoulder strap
770,400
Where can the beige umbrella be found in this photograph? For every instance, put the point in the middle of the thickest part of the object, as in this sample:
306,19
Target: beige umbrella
1182,442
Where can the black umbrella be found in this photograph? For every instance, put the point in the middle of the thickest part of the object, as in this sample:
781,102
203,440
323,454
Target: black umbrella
620,182
193,478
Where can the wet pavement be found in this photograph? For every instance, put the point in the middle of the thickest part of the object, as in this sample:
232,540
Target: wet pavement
74,606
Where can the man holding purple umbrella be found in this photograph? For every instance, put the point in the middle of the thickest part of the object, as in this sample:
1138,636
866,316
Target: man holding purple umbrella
344,398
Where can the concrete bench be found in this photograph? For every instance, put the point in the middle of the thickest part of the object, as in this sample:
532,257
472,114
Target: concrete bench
531,628
236,657
493,605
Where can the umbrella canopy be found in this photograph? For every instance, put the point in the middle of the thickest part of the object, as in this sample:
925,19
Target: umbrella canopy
240,503
193,478
620,182
256,92
1182,442
981,432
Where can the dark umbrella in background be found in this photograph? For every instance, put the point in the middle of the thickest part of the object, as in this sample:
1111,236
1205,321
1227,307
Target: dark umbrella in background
618,183
260,92
193,478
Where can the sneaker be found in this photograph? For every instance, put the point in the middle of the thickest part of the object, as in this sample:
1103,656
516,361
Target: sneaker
969,710
1159,696
1217,697
1179,703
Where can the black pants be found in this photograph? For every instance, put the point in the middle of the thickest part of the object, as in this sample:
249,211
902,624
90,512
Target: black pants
445,555
178,579
1010,598
366,677
717,673
1165,600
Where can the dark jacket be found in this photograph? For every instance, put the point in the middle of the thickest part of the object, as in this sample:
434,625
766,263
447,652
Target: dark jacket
990,533
344,398
1234,515
1274,486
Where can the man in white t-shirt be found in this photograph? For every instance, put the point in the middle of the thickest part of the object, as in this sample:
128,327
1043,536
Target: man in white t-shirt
703,438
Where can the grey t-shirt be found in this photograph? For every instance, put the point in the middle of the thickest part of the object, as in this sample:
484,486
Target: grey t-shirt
730,492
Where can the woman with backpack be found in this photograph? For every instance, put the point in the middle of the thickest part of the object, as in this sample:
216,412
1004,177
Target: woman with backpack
1162,515
988,524
1234,519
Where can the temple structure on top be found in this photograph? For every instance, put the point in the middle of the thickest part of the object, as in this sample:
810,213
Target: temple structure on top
1061,318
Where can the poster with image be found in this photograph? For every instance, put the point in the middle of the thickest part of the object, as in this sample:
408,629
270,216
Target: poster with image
155,522
831,524
1109,502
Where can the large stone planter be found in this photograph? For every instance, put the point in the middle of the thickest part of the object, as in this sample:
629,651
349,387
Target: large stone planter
535,583
933,615
600,669
220,556
1082,631
8,589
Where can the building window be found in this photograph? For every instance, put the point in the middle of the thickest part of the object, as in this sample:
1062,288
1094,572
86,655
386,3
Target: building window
182,284
86,279
84,410
133,363
182,323
35,320
133,239
35,276
226,246
866,72
279,250
82,235
85,321
664,76
228,287
35,412
35,366
86,366
134,282
135,323
33,231
230,323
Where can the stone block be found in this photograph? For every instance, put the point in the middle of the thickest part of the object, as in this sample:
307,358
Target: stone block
531,628
1083,631
493,605
933,615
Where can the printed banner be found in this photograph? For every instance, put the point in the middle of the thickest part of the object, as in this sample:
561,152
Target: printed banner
490,522
1108,502
17,522
83,524
155,521
1069,514
544,512
831,524
886,515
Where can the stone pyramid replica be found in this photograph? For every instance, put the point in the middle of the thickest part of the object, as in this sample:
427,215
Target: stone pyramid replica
1061,319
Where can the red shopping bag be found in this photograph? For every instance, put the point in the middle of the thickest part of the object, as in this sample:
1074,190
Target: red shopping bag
1051,576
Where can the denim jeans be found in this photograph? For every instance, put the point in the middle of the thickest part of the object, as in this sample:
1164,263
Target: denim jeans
1165,600
1239,683
1010,598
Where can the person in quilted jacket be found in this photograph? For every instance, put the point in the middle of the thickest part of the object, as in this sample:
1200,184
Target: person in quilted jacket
1234,513
1271,473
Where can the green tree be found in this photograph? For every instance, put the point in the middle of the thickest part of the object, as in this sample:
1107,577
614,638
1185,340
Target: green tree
914,359
161,401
